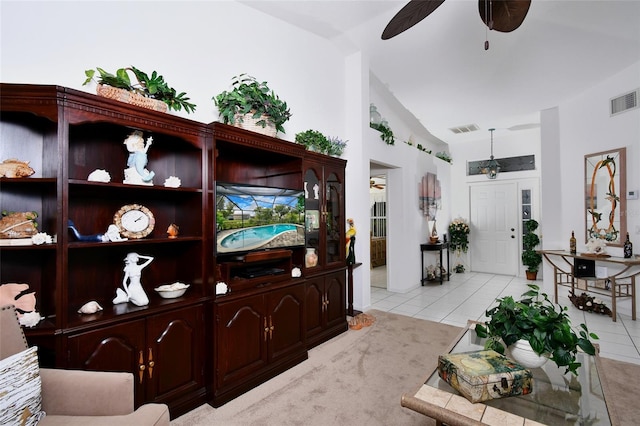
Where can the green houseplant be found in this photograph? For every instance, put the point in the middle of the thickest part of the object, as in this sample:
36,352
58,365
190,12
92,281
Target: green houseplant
545,325
249,96
530,257
152,87
312,140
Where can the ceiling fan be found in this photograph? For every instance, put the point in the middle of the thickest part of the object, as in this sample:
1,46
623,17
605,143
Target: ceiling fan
373,184
500,15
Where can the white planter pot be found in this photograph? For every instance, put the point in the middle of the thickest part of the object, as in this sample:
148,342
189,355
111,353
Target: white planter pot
522,353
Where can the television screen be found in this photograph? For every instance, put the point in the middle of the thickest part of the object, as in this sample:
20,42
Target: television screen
250,217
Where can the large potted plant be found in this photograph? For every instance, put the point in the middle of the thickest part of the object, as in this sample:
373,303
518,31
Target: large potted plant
149,91
530,257
544,325
253,105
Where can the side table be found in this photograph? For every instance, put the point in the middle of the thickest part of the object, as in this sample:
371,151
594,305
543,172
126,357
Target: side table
440,247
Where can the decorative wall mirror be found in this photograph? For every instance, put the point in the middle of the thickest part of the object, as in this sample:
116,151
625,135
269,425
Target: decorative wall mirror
605,196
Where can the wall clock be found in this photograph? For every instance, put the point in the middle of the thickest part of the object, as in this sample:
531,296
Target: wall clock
134,221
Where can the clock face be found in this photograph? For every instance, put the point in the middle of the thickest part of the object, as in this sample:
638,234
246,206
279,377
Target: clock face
134,221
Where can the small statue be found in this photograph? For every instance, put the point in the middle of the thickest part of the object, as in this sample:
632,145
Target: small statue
133,291
113,234
14,168
351,242
316,192
136,173
173,230
80,237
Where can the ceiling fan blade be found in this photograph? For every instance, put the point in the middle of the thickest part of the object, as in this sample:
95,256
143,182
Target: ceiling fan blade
412,13
507,15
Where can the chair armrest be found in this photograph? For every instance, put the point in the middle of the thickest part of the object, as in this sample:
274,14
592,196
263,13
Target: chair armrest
146,415
86,393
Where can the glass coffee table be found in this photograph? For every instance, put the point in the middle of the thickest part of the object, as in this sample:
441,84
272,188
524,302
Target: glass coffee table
557,398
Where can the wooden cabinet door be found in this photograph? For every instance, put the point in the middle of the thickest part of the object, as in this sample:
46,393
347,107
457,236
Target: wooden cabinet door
286,322
314,305
334,220
335,296
174,354
241,340
116,348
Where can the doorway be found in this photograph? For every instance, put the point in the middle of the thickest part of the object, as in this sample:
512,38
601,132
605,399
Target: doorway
378,237
495,224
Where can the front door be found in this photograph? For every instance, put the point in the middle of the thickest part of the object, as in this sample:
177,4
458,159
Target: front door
493,241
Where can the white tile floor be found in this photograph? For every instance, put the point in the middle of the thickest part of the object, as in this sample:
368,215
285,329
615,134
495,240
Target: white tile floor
469,295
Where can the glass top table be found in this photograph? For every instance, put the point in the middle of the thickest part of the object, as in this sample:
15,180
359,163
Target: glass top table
557,398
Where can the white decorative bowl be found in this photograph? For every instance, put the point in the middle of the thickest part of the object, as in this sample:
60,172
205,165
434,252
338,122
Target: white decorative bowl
522,353
171,291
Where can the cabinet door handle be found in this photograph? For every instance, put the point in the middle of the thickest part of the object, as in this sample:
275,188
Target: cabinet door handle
141,367
270,327
266,329
151,363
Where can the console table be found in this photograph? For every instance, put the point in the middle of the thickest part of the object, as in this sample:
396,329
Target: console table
440,247
622,278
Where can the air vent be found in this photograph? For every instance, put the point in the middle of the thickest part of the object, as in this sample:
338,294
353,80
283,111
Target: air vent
465,129
625,102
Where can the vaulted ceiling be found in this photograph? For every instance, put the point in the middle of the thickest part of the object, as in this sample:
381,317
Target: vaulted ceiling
441,73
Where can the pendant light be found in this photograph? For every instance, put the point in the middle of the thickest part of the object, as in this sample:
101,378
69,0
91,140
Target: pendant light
492,167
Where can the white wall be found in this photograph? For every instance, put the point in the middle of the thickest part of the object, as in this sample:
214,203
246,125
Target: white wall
406,165
584,126
197,46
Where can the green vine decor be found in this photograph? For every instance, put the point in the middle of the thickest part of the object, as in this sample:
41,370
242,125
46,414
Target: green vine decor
385,133
444,156
459,235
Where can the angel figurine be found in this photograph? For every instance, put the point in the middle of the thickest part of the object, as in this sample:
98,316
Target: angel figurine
136,172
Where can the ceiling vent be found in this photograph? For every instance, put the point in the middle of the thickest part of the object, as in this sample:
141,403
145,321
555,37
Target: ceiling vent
625,102
465,129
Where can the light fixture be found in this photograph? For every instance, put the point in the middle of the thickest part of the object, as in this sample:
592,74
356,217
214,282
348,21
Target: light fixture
492,167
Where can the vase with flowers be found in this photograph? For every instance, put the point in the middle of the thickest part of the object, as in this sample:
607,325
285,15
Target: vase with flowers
459,239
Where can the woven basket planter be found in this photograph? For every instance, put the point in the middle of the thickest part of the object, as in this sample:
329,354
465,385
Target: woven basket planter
247,122
131,98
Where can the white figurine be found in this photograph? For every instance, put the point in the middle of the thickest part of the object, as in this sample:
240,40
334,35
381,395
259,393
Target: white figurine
316,193
133,291
113,234
136,173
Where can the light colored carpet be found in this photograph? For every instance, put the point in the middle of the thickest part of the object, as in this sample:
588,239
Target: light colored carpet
358,378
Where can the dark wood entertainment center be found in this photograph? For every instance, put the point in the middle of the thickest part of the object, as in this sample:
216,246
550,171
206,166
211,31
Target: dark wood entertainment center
200,347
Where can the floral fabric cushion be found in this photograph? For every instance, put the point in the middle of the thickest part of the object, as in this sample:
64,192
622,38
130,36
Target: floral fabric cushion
20,389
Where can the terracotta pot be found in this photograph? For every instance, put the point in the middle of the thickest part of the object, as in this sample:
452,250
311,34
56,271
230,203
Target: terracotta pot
532,276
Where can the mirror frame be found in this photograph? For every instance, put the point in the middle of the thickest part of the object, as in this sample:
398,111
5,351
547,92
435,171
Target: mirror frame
609,166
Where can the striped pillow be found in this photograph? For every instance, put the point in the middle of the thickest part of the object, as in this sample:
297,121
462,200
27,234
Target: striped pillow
20,386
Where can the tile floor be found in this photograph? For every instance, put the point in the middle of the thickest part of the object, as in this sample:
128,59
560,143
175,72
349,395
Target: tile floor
469,295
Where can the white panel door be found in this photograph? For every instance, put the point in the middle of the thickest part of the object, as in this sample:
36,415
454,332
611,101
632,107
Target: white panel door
493,241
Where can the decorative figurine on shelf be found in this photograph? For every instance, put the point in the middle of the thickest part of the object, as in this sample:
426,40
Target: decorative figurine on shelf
316,192
113,234
14,168
133,291
173,231
88,238
351,242
136,172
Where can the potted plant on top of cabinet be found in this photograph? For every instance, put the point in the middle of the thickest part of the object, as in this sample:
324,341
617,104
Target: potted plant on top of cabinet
252,105
149,92
530,257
